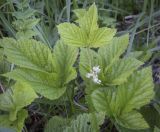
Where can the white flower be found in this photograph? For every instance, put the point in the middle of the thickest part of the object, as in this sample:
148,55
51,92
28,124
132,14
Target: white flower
94,74
96,69
96,80
89,75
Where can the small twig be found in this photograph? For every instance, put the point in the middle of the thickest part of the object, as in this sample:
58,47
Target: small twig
81,106
148,28
75,100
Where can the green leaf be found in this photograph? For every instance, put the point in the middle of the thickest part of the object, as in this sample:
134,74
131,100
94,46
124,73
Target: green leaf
100,37
6,102
6,40
114,70
25,14
135,54
50,85
88,22
25,34
79,12
22,5
106,20
137,91
88,59
141,55
110,53
123,129
85,123
21,25
23,95
72,34
104,99
1,54
87,34
56,124
25,28
45,84
81,124
132,120
64,58
133,94
121,70
13,101
119,102
28,54
15,125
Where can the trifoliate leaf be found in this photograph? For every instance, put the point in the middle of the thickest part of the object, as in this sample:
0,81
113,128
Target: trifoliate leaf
16,125
132,120
119,102
50,85
133,94
87,34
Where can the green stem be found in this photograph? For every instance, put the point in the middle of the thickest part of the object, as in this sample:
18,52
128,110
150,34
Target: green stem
70,98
